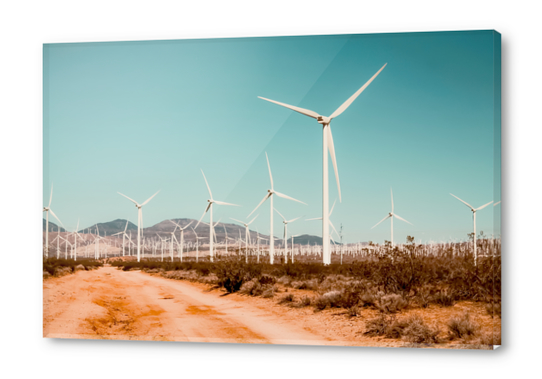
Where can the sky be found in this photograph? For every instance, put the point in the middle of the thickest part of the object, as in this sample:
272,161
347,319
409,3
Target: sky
138,117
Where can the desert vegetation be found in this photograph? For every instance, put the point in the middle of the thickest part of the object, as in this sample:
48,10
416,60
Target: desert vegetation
390,291
61,267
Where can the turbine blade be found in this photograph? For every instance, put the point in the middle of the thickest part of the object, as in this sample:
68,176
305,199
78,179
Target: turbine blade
279,214
311,219
402,219
388,216
269,167
206,209
331,224
333,207
483,206
497,203
132,200
223,203
306,112
261,202
190,223
126,227
331,148
347,103
149,199
51,197
253,219
288,197
209,188
464,202
391,191
294,219
53,213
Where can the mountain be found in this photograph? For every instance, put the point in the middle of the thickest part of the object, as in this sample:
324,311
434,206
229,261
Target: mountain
166,227
52,227
306,239
111,227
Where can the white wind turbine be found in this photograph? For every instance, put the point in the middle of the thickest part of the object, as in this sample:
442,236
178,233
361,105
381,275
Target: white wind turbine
391,215
327,145
285,237
124,235
247,233
474,210
270,193
330,223
211,201
139,219
182,236
48,209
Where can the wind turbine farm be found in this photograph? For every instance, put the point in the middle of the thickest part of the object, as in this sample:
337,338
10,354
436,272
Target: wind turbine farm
404,128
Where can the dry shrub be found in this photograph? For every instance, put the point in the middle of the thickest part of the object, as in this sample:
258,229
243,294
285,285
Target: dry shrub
329,299
412,329
305,301
392,303
269,291
353,311
379,325
417,331
462,327
287,299
444,298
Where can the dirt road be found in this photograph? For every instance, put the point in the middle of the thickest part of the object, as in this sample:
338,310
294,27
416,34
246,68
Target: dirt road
112,304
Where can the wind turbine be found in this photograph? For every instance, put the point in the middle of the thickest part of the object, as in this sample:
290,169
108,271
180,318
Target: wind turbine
473,220
327,145
391,215
182,235
211,201
270,193
139,219
330,223
123,236
247,233
285,237
48,209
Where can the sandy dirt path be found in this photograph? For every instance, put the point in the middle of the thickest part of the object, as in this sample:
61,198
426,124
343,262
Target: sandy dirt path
112,304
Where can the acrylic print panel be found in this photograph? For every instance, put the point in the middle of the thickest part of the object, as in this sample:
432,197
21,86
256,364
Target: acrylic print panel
320,190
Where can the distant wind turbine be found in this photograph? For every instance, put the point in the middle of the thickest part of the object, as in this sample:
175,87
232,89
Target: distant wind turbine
327,145
182,236
391,215
139,220
285,236
247,233
474,210
270,193
48,209
211,201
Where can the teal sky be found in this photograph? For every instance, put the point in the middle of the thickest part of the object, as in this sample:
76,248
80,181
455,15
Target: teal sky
137,117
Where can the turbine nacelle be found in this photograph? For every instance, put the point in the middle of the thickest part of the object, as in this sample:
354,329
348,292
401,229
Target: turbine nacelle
323,120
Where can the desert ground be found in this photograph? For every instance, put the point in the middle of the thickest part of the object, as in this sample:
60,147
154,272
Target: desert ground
108,303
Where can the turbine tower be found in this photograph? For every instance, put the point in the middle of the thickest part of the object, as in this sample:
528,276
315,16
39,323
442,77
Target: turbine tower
473,220
391,215
270,193
247,233
211,201
327,145
139,220
182,236
48,209
285,236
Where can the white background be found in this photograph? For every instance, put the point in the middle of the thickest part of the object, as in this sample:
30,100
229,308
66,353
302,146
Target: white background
25,25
